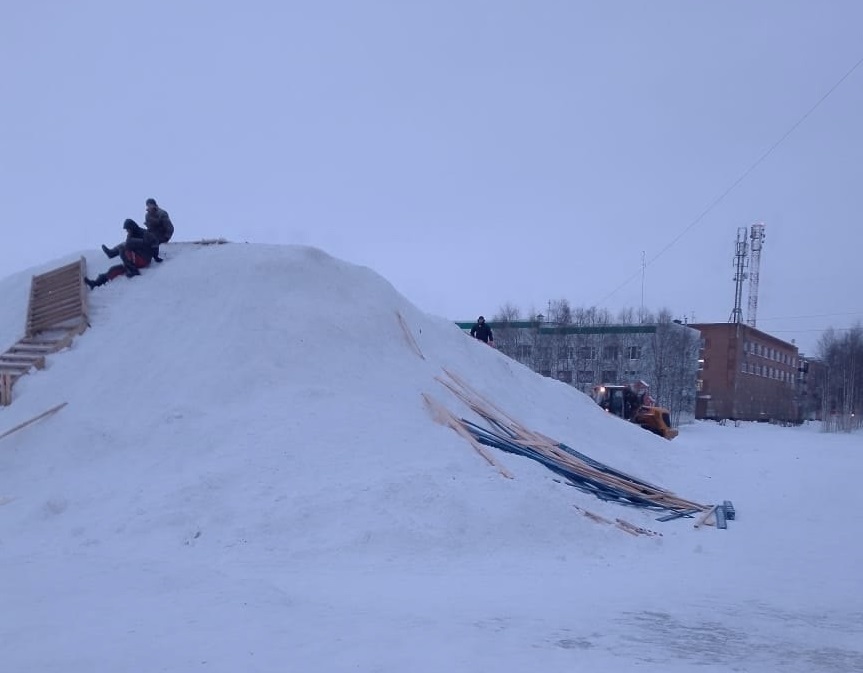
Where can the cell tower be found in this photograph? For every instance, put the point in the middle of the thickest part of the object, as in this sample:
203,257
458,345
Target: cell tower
741,260
756,237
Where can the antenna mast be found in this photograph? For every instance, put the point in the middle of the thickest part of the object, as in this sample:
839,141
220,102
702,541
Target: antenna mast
756,236
740,262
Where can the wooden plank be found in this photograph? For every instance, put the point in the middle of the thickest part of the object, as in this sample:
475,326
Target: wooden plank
60,271
36,349
9,366
721,522
30,301
50,411
70,297
57,343
6,381
47,287
623,524
702,520
593,516
409,336
82,291
678,515
72,307
37,361
443,416
56,296
54,319
625,484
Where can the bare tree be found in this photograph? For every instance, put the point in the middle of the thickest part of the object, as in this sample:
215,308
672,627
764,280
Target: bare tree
675,352
626,316
508,338
508,312
843,389
560,312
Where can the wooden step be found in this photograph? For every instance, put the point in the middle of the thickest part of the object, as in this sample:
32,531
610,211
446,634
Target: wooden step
55,344
36,349
14,367
35,360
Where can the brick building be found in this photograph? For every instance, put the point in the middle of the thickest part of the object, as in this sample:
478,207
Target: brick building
746,374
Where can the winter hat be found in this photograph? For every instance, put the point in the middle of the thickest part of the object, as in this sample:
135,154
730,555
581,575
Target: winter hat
130,224
151,202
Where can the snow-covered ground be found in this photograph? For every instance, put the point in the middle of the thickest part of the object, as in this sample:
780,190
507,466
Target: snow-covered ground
246,478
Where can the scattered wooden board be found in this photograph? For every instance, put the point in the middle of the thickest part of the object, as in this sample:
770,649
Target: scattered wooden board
409,336
50,411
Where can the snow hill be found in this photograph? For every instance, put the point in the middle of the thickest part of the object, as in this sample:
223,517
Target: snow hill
246,478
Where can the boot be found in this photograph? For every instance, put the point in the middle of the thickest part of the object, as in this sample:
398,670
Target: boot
110,252
132,271
101,279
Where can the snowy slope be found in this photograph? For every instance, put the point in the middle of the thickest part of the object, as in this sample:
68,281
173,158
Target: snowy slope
247,475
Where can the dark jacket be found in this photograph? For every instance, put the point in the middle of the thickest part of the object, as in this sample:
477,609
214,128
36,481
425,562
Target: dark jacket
159,224
482,332
141,242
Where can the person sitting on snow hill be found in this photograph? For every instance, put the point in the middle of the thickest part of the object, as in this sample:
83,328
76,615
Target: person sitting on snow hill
482,332
139,249
157,222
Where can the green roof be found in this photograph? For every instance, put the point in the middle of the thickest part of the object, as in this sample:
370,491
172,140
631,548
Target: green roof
547,328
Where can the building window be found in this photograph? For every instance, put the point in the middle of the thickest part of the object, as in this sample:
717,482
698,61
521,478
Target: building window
609,376
699,385
523,351
564,353
630,375
633,352
543,352
610,352
587,353
745,368
585,376
545,372
565,375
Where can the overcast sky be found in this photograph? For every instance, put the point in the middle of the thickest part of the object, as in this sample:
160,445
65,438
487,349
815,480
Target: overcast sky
473,153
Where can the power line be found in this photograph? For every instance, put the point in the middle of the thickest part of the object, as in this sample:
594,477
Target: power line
740,179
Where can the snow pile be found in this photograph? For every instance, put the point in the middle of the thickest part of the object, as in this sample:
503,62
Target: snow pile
246,474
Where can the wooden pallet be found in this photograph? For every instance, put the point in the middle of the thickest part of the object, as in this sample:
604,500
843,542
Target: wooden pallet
56,314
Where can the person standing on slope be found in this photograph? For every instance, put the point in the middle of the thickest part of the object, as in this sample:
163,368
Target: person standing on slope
157,222
482,332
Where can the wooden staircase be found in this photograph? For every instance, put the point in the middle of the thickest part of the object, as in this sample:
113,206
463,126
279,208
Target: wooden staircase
56,314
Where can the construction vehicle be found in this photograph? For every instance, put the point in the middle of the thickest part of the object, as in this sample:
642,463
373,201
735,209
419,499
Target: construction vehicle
632,402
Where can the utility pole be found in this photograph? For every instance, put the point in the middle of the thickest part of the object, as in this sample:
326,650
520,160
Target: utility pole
643,267
756,237
740,261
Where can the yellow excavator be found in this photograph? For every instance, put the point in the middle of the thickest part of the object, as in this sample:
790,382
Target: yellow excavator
633,403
